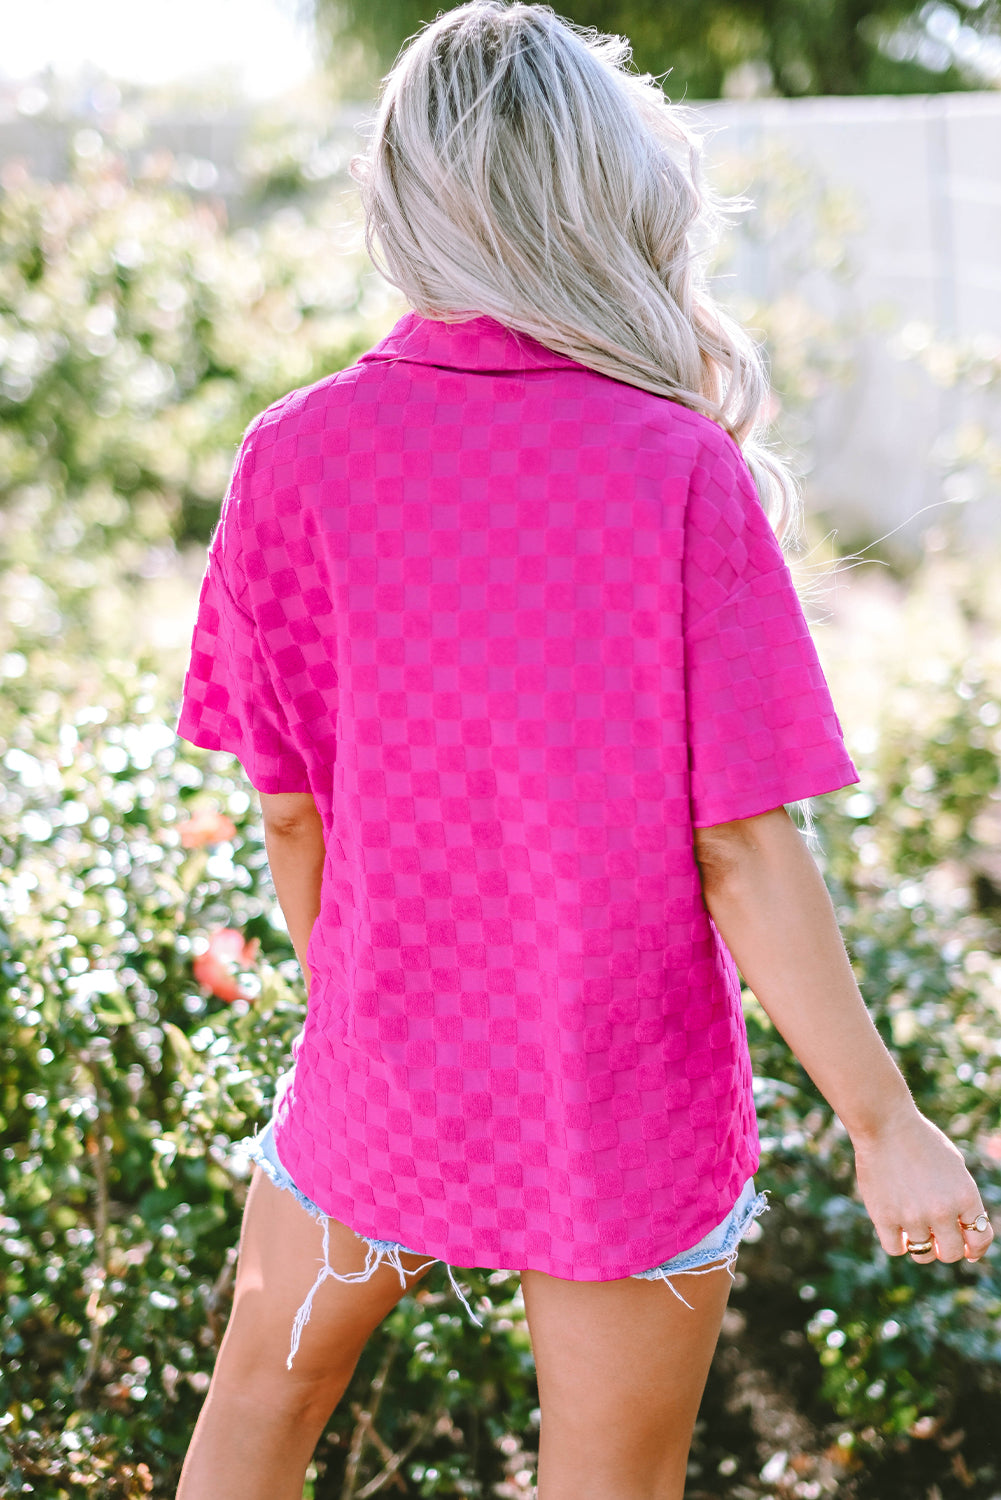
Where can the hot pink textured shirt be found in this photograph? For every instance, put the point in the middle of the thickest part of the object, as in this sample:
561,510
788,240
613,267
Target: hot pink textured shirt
519,628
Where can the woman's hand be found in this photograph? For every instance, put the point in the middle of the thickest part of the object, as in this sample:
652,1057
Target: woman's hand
915,1186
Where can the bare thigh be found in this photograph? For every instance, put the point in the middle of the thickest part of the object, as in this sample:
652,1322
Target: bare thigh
261,1421
622,1366
280,1256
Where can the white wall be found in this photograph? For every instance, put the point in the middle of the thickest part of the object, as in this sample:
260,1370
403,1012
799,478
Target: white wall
924,173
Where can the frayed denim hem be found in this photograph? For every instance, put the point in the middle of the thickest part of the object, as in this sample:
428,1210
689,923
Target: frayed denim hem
256,1149
260,1148
716,1250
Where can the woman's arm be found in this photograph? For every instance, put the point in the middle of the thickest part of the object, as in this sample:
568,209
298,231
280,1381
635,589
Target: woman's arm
769,902
293,838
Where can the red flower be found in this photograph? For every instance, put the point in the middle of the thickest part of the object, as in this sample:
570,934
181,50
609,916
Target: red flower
206,828
219,967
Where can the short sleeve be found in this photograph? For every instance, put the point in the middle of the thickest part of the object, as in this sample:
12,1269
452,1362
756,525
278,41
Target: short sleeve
229,700
762,730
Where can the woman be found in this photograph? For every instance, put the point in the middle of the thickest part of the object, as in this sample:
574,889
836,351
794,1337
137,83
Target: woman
499,629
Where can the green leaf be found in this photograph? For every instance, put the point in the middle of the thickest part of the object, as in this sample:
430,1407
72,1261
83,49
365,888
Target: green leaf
114,1010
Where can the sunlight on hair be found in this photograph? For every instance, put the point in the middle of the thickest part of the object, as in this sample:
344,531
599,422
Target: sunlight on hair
520,168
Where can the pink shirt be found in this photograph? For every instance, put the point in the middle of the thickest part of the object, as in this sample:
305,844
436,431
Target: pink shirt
519,628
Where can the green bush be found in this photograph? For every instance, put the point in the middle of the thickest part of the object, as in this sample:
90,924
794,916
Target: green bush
125,1085
138,336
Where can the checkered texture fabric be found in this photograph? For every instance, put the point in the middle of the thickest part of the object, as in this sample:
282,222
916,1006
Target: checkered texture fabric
519,628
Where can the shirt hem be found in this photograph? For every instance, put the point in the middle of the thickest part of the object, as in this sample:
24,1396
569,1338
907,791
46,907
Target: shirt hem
746,1165
270,785
765,799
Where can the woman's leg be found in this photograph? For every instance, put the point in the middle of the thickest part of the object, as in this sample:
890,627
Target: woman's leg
622,1366
260,1422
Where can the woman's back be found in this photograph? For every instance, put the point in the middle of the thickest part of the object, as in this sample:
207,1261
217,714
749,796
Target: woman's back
519,627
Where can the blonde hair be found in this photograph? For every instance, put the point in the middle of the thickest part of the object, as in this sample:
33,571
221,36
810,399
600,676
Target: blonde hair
520,169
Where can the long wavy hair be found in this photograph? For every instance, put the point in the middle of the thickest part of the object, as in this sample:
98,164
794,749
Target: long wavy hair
520,168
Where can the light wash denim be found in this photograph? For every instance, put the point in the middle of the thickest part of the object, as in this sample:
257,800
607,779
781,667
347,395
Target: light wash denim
714,1251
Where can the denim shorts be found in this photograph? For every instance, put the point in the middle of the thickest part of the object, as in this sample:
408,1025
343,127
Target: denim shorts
715,1250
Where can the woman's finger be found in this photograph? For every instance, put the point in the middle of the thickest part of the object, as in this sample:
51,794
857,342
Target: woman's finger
890,1235
977,1239
949,1241
913,1237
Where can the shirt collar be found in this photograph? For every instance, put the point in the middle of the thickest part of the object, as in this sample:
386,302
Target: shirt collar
479,343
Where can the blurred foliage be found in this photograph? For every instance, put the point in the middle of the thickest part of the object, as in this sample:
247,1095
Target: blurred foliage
968,454
712,47
138,332
125,1085
138,336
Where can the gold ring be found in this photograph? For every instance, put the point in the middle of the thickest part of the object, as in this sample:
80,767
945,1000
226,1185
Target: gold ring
920,1249
980,1223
